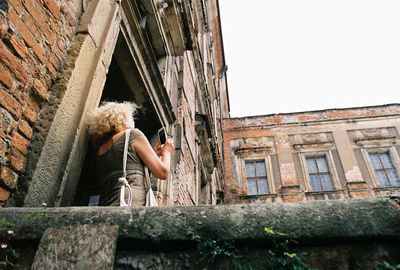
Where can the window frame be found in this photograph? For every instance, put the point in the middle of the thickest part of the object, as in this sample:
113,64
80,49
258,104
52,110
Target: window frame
269,174
319,173
394,158
331,167
257,178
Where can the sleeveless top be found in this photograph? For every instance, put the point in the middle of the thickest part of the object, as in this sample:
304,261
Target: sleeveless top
111,161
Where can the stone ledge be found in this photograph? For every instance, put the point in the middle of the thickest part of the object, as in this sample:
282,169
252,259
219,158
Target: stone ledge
312,221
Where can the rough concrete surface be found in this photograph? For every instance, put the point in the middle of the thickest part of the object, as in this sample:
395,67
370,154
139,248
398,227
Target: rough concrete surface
77,247
340,234
314,221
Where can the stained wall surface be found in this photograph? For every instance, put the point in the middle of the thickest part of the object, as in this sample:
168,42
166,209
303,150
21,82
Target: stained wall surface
321,155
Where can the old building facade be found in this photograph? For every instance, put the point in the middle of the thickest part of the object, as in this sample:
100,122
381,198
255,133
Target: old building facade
60,59
320,155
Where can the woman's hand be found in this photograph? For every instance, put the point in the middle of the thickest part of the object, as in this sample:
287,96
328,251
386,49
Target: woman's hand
157,149
168,147
159,167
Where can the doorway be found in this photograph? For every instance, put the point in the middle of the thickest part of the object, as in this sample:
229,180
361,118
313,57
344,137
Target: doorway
123,83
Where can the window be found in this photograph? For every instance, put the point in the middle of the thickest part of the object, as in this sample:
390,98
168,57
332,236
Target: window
318,171
385,172
256,176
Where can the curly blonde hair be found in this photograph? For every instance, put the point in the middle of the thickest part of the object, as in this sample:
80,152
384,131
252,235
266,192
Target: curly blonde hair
109,119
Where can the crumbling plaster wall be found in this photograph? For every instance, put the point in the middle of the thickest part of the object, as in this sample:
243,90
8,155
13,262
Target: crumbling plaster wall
322,132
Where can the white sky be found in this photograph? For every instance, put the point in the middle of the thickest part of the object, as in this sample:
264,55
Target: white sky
303,55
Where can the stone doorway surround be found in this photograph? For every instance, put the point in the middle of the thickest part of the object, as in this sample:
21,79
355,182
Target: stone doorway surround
61,139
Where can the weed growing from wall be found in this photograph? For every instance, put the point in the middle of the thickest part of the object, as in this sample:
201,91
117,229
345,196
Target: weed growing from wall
387,266
210,250
8,255
279,256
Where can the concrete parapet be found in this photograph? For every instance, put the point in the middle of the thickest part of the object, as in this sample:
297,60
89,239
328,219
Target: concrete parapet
330,226
314,221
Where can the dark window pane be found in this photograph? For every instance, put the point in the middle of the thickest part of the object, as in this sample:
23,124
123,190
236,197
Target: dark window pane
393,178
262,186
383,182
260,168
311,165
326,182
250,169
322,165
385,158
315,184
251,187
375,161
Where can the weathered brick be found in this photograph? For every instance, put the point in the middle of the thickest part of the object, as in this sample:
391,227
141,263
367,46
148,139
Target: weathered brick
69,19
9,103
19,142
14,42
63,9
13,63
4,194
6,121
61,44
68,32
40,18
39,89
53,8
58,53
5,78
3,151
31,25
52,71
30,115
3,26
53,59
27,36
8,177
31,64
31,111
55,27
17,160
20,94
13,125
16,5
25,129
360,194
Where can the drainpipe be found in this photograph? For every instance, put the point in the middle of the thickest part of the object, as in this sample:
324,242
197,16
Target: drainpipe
223,71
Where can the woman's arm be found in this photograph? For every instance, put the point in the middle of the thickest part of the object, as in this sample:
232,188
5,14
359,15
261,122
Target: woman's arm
159,167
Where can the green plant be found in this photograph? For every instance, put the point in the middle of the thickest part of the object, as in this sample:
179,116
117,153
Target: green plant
8,255
280,257
386,265
211,249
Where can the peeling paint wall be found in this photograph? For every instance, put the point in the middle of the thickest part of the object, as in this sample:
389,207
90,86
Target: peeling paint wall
344,138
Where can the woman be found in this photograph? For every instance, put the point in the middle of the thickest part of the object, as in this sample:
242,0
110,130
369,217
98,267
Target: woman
106,126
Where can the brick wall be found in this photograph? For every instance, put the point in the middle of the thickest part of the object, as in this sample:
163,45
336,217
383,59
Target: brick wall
34,36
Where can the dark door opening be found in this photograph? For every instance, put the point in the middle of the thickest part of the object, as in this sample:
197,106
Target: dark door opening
123,83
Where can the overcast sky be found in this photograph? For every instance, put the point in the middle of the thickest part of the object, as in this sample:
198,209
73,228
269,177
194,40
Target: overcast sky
303,55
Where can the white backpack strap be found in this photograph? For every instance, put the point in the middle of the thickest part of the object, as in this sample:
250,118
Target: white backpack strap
147,176
122,180
127,134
